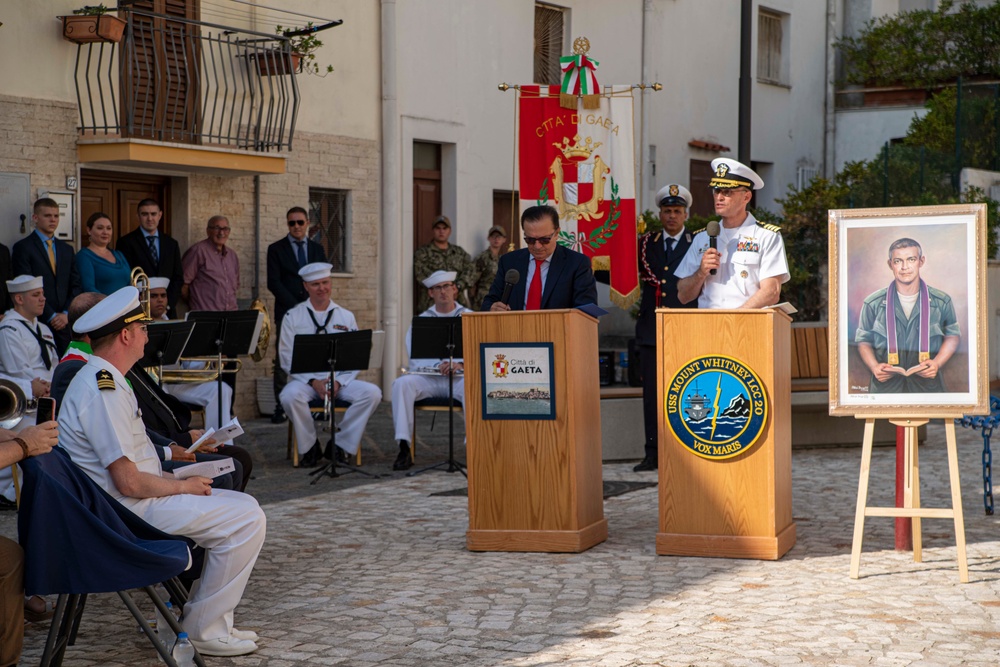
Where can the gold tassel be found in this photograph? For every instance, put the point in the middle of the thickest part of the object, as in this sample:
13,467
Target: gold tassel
625,301
567,101
591,101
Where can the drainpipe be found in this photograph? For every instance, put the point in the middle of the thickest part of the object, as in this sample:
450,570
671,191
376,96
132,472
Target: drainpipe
391,255
256,237
647,61
746,82
830,120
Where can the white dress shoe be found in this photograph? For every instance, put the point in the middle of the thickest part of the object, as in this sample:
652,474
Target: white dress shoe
225,646
249,635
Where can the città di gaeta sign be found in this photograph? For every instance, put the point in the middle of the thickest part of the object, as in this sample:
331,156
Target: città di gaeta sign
716,406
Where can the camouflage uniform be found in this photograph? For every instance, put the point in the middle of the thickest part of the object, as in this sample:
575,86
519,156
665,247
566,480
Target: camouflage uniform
872,330
484,270
428,259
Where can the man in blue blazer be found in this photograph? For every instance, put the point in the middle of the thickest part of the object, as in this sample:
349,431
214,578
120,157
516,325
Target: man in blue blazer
154,251
284,259
551,276
42,254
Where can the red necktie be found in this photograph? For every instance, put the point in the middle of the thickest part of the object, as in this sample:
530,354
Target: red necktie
535,289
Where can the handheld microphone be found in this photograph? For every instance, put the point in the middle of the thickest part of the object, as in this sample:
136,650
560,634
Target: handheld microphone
712,229
511,278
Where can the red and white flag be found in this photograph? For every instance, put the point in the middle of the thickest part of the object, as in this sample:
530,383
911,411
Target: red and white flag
581,162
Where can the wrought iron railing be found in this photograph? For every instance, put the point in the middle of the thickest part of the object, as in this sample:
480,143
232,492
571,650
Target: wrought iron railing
177,80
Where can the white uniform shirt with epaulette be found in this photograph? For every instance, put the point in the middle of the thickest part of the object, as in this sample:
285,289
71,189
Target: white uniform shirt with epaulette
20,352
298,321
750,253
100,422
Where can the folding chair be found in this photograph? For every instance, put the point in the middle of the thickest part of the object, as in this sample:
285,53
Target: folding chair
434,406
79,540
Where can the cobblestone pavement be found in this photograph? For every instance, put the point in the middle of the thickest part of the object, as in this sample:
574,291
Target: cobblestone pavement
358,573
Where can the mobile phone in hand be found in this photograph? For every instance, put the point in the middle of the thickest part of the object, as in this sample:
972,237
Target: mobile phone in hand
46,410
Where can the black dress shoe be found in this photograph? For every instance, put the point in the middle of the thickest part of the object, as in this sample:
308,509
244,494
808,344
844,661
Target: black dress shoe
278,416
7,505
310,458
403,460
333,450
646,464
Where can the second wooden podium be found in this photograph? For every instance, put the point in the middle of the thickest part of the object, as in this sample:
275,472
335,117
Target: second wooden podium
725,388
534,483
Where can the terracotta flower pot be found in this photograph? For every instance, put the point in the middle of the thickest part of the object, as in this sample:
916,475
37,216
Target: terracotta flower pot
276,63
86,29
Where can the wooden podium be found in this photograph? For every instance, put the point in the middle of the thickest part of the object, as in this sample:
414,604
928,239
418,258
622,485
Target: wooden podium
535,485
738,507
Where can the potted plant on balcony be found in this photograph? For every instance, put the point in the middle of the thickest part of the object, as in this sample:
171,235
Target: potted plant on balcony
302,57
92,24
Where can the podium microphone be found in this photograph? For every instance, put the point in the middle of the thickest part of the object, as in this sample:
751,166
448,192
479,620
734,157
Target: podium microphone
712,229
511,278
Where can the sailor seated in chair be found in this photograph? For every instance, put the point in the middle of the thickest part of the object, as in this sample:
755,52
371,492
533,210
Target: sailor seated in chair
427,378
101,428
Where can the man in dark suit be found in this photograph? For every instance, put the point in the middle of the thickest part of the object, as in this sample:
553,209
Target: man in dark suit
660,254
551,276
154,251
284,259
42,254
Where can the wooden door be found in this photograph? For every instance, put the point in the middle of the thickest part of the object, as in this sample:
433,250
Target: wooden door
699,176
118,195
161,85
506,214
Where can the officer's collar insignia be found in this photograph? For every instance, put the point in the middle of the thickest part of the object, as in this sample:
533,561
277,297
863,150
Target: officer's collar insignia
105,380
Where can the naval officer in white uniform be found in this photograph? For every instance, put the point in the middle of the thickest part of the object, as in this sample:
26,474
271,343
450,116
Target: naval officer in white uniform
750,261
418,385
101,428
318,314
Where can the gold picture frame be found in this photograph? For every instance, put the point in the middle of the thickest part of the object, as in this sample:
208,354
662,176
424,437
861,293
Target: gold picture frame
951,259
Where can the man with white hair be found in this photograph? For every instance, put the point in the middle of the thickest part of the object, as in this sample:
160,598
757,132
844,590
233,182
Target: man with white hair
102,430
27,347
316,315
420,383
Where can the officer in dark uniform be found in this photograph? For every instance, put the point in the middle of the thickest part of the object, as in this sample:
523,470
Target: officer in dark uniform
659,255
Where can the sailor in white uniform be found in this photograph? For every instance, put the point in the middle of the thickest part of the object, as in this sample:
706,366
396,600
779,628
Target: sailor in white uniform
419,383
749,261
101,428
27,349
318,314
204,394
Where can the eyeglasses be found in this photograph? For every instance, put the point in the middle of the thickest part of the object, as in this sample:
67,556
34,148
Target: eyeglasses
221,230
728,192
442,286
297,223
541,240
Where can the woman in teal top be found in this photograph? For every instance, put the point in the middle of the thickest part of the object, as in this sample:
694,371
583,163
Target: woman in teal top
102,269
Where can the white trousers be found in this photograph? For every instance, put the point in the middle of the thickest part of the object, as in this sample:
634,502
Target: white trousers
363,396
230,526
407,389
205,394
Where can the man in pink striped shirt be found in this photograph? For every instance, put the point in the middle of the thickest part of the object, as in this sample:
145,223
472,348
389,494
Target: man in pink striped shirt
211,270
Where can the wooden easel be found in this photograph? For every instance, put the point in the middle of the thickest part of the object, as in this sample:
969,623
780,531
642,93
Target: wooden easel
911,492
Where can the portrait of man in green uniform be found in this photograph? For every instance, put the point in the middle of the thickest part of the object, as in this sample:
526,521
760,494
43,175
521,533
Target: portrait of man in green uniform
907,331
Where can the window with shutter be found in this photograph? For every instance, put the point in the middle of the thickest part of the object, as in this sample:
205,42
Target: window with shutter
329,214
550,25
770,40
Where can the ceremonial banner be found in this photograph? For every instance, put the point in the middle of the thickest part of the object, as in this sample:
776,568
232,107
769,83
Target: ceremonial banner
581,162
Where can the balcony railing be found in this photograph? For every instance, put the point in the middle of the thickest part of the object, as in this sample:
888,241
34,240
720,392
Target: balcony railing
177,80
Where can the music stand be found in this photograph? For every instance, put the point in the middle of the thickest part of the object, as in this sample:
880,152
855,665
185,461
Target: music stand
440,338
165,344
223,332
329,353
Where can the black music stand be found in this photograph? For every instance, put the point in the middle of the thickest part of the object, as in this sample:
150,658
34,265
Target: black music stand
223,332
440,338
329,353
165,344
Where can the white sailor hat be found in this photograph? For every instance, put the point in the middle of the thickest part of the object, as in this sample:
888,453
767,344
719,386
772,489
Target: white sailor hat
159,283
24,284
112,314
674,194
729,173
439,277
315,271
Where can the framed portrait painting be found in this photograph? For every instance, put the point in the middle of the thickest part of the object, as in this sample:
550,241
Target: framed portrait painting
908,311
